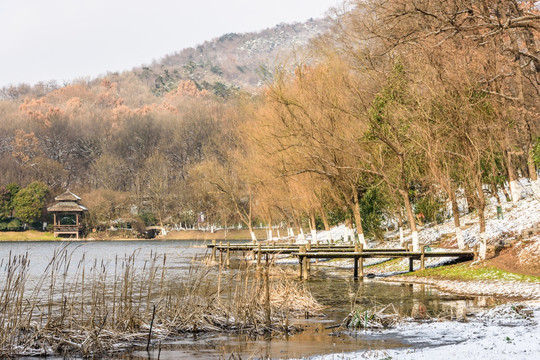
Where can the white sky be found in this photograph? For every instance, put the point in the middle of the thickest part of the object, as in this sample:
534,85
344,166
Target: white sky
42,40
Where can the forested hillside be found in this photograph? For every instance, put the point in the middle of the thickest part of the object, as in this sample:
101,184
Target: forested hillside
222,66
401,110
126,141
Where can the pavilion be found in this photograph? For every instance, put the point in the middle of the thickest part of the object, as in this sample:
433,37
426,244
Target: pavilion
67,214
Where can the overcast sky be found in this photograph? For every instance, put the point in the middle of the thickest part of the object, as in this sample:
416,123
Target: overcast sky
42,40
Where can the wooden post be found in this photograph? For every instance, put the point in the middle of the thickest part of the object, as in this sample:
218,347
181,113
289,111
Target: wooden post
228,263
361,260
422,257
306,267
308,263
302,250
303,262
259,255
355,274
220,254
475,251
213,250
411,268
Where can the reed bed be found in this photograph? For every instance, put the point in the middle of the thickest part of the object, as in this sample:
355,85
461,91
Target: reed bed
372,318
93,307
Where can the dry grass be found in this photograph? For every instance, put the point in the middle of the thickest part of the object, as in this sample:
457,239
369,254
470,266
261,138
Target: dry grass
91,307
28,235
372,318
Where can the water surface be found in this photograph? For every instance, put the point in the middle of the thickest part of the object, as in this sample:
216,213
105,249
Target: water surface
333,288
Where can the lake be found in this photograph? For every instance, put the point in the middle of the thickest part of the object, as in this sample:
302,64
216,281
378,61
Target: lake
332,287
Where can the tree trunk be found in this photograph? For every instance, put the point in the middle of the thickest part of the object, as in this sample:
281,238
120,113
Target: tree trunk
512,180
313,225
400,224
481,219
301,233
506,196
535,182
531,167
346,230
269,230
495,191
457,223
312,222
410,217
324,219
251,232
469,197
358,219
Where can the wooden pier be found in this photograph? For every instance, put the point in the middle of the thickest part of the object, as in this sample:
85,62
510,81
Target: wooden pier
308,251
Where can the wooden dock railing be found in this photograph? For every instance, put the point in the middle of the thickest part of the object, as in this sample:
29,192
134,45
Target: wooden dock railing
307,251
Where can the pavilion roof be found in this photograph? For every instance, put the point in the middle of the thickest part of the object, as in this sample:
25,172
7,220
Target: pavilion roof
67,196
67,206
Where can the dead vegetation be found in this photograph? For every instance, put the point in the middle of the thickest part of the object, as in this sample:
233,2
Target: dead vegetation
92,307
372,318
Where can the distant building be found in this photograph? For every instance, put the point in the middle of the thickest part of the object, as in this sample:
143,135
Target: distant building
67,214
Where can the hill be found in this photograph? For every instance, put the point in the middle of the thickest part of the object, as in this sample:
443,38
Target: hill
222,65
233,60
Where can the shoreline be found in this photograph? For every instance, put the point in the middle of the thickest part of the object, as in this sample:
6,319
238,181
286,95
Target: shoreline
59,240
513,290
182,235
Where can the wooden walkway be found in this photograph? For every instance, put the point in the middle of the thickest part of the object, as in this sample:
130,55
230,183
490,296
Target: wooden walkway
306,252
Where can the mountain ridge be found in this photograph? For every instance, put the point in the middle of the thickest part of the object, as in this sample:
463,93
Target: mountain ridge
222,65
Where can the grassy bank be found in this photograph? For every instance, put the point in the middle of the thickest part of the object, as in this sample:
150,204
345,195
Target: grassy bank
220,235
467,271
28,235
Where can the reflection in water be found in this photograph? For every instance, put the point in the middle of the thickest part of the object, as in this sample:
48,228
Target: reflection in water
333,288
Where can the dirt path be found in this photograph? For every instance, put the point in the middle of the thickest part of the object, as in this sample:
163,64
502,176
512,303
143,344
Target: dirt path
521,259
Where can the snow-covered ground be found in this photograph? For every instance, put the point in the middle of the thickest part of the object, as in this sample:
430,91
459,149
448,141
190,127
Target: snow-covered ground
506,288
498,333
504,332
518,216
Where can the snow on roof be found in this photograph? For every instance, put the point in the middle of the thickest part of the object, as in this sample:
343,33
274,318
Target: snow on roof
67,196
66,206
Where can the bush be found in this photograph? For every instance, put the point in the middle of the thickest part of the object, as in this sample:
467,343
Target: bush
14,225
372,206
536,152
432,207
29,202
148,218
336,216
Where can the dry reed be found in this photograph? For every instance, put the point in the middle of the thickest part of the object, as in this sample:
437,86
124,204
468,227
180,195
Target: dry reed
93,307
